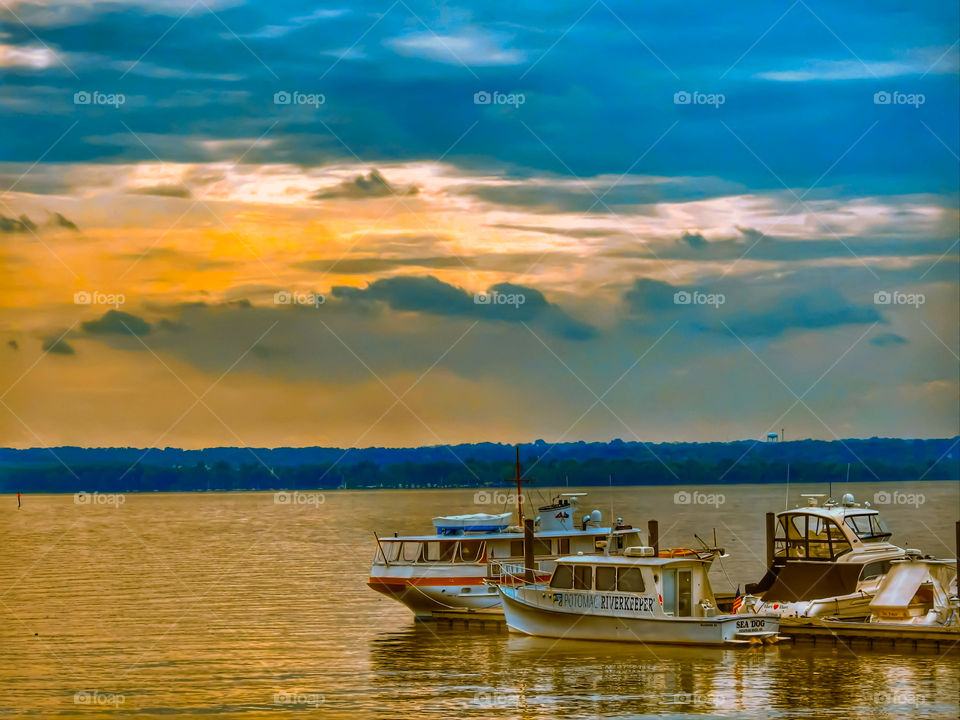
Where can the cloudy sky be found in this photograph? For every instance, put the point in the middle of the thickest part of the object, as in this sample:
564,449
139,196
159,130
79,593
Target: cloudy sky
295,223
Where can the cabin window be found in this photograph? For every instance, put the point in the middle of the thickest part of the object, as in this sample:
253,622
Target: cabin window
563,546
562,577
447,548
606,578
541,547
471,550
411,551
392,550
583,577
431,551
629,580
869,528
875,569
516,548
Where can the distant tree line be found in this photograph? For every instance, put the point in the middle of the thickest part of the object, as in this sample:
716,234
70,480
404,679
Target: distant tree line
223,475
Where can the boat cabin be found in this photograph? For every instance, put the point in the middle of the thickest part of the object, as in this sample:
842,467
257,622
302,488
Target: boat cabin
679,586
488,547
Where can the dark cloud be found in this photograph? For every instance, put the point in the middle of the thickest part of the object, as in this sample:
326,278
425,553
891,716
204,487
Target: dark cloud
504,302
885,339
117,322
59,220
372,185
13,344
694,240
761,311
503,262
57,346
168,191
10,225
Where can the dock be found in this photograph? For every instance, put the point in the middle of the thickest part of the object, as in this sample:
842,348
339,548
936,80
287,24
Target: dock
870,635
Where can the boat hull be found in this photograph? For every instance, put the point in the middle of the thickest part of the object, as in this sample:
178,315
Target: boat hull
525,612
425,595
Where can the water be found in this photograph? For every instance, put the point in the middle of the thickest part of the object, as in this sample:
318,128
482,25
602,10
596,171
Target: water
229,605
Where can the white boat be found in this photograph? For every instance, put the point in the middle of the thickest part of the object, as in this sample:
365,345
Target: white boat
450,570
637,597
919,592
826,560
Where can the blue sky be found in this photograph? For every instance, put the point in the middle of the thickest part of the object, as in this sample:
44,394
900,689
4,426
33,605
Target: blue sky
788,184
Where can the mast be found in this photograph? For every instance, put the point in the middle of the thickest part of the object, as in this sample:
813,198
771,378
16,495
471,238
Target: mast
519,492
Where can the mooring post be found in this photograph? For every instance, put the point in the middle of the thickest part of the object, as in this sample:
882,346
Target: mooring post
528,573
771,520
653,536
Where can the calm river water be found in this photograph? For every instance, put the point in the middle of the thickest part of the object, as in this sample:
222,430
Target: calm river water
231,605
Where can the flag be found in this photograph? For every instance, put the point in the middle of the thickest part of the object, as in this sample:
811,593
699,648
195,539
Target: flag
737,601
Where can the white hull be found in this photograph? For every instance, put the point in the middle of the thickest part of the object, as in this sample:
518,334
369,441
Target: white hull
527,610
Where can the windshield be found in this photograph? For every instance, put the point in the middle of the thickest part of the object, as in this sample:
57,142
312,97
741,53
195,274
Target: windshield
868,527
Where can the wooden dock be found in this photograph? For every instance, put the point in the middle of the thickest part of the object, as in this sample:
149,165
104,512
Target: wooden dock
869,635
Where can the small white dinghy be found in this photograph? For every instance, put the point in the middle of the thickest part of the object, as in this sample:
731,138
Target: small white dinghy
477,522
632,598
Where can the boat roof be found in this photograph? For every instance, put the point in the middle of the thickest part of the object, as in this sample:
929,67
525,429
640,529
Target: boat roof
628,560
831,511
509,535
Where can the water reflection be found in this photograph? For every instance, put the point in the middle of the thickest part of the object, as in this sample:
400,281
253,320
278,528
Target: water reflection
469,671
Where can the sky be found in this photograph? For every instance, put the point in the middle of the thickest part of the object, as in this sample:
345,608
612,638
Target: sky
406,223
